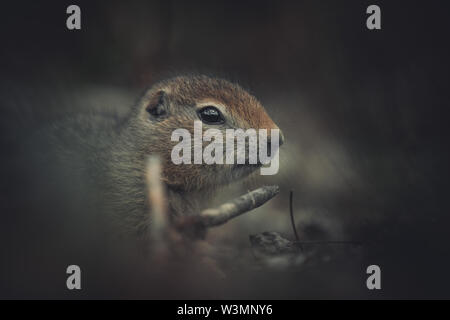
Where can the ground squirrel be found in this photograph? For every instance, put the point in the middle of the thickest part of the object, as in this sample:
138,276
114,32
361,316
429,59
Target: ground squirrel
118,148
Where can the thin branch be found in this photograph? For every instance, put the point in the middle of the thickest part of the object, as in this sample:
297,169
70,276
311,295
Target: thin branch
157,198
238,206
161,232
291,209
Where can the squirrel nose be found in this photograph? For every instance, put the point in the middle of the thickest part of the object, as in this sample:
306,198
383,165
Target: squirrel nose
280,141
281,138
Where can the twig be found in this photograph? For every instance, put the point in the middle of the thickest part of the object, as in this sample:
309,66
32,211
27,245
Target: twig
195,227
291,209
161,232
238,206
157,198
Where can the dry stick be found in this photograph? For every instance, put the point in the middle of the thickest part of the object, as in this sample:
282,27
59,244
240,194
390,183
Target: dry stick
156,195
231,209
291,209
161,232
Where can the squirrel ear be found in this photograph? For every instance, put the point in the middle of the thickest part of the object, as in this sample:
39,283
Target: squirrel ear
157,104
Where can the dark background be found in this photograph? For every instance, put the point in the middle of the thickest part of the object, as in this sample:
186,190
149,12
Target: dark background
364,113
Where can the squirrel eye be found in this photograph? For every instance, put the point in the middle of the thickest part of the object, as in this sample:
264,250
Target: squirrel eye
211,115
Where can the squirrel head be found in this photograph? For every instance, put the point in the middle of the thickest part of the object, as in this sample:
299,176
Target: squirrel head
176,104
